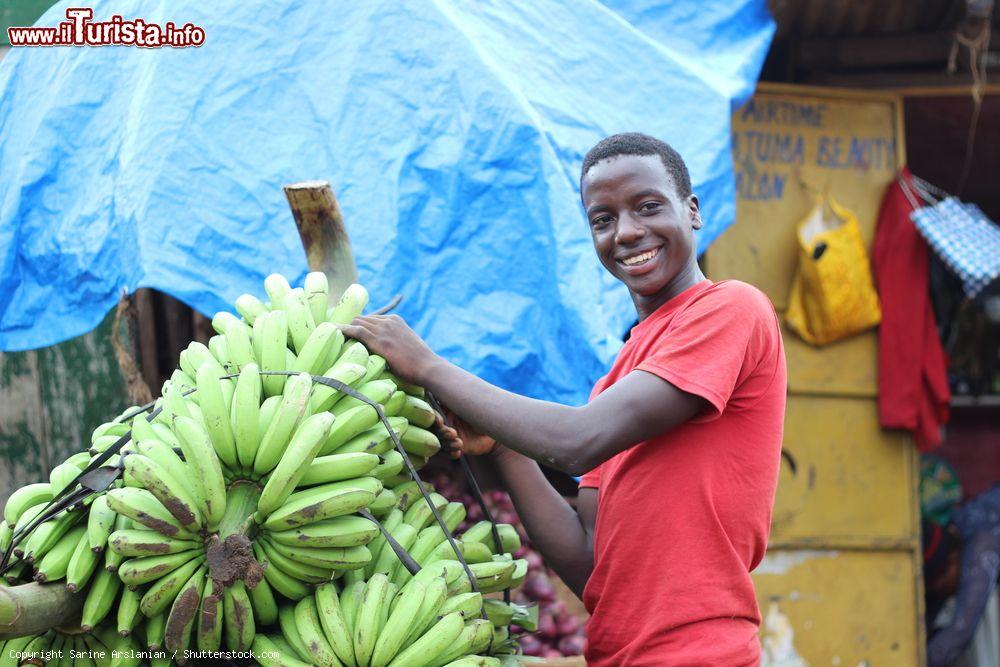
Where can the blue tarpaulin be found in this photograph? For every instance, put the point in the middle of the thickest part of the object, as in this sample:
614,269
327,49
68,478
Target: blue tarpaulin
452,133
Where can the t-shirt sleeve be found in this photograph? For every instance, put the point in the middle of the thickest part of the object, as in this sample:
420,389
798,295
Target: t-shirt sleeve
591,479
711,343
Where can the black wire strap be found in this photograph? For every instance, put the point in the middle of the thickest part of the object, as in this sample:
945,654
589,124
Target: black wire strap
477,492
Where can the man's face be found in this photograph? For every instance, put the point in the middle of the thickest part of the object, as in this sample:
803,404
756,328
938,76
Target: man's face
642,228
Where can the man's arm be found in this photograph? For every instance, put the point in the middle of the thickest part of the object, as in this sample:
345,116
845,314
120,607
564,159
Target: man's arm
574,440
562,535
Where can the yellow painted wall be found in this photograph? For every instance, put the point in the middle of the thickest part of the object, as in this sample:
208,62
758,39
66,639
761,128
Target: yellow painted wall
840,584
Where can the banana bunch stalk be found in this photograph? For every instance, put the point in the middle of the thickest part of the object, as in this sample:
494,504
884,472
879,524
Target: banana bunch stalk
245,514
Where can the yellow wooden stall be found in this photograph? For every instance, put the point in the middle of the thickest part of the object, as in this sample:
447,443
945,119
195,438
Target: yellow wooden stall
841,582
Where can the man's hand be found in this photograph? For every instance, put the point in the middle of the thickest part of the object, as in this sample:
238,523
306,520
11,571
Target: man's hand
467,439
390,337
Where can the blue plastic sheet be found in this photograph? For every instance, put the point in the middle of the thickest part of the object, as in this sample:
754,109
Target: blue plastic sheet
452,133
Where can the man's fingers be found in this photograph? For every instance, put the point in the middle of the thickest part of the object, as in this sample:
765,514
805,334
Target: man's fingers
356,332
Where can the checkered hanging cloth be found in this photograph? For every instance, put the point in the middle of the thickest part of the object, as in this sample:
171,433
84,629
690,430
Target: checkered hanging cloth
967,241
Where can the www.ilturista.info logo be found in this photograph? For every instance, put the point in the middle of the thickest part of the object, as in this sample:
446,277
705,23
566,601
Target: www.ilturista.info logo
80,30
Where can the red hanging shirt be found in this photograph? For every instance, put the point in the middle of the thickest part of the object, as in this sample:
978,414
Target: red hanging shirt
683,518
913,389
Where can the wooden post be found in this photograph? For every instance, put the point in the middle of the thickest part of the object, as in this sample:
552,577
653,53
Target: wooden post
324,237
32,608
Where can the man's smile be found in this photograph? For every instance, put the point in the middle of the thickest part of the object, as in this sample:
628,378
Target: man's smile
639,259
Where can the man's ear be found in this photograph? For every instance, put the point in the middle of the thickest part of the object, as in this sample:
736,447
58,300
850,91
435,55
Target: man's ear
694,212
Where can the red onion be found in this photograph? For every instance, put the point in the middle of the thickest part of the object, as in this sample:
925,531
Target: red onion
573,645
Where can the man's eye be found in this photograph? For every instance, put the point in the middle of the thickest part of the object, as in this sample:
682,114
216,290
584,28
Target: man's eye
649,206
601,221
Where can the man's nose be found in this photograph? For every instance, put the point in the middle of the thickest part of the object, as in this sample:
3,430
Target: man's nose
629,230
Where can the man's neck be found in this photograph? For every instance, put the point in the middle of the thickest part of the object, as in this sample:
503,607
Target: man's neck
690,276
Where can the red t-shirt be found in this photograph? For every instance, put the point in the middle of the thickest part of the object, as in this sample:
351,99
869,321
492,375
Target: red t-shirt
683,518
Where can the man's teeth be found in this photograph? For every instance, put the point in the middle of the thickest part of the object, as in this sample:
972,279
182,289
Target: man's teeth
639,259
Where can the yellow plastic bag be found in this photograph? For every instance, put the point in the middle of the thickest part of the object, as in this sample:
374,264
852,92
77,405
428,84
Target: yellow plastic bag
832,295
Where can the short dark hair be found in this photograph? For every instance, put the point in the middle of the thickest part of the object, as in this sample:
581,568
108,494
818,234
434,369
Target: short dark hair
636,143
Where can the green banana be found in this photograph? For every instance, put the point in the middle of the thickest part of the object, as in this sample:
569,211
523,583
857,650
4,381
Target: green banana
101,596
393,634
295,462
208,626
432,643
472,552
122,522
219,348
135,543
239,345
395,404
478,661
198,355
128,611
164,454
221,320
273,350
341,531
391,463
469,605
25,497
408,492
420,441
205,468
475,636
238,617
303,572
62,476
404,534
350,601
147,569
317,292
418,412
327,558
117,429
337,467
143,507
316,350
250,307
307,622
354,352
390,522
300,319
265,649
323,502
46,535
245,415
324,397
180,619
265,607
419,514
384,503
374,368
82,564
290,631
55,562
349,424
377,390
498,612
168,490
277,288
280,581
351,303
334,625
155,627
216,413
368,616
289,413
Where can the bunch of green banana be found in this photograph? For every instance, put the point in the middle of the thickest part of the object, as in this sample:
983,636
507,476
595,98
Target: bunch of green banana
236,523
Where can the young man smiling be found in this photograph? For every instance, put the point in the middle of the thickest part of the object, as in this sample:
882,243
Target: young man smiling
679,445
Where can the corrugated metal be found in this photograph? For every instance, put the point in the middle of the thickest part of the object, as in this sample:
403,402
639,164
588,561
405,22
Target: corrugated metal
832,18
